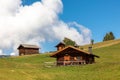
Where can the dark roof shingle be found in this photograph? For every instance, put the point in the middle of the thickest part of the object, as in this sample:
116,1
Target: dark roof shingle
28,46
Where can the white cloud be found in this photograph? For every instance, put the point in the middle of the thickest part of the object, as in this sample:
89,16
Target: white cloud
1,52
9,7
14,54
36,23
74,31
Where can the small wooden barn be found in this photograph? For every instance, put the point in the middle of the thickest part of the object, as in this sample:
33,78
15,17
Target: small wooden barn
26,49
72,56
60,46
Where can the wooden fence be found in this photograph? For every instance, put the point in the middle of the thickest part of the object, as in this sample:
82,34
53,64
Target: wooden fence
63,63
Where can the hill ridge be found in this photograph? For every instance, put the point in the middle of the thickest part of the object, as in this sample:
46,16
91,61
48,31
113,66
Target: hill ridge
101,44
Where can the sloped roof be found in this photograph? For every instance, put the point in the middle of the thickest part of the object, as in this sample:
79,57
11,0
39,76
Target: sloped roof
28,46
77,49
60,44
67,48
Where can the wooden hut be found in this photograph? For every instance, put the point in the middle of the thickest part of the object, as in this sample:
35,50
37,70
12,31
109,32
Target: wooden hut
73,56
26,49
60,46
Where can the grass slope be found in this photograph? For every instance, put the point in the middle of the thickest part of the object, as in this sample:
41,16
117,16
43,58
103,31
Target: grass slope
101,44
107,67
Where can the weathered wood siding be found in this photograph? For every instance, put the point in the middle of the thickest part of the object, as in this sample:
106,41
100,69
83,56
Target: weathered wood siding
75,57
28,51
21,51
60,47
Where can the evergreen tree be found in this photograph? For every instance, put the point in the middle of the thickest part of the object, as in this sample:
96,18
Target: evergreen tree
68,42
92,41
112,37
109,36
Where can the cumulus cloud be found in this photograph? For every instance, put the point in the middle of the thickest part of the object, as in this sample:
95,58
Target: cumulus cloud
36,23
80,34
1,53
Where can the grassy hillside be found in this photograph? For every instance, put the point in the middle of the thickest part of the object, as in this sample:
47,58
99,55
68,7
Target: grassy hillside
101,44
107,67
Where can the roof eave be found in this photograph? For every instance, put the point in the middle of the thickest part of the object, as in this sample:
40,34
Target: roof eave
54,54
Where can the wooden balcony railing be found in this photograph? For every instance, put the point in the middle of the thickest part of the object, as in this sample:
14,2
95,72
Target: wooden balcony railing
70,62
64,63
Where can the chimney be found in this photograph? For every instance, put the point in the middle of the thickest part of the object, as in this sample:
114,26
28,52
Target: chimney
90,49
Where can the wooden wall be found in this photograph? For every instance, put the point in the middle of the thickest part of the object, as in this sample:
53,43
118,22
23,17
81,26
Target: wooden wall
28,51
60,47
76,57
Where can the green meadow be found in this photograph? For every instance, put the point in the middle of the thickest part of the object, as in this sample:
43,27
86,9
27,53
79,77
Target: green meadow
107,67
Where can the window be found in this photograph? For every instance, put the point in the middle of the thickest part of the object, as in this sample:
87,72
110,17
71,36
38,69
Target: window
66,57
75,58
79,58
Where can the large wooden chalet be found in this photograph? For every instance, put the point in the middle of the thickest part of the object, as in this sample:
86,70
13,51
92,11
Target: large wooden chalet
25,49
71,55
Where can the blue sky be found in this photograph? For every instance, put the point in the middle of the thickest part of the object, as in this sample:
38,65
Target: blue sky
100,16
28,2
44,24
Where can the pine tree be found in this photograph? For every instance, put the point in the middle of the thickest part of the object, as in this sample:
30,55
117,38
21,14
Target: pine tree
112,37
68,42
92,41
109,36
